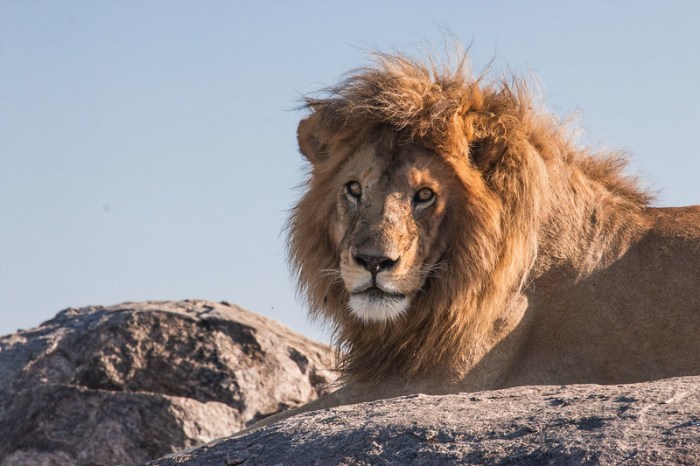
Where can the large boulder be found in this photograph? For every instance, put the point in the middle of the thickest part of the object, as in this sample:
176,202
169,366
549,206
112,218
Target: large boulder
129,383
648,423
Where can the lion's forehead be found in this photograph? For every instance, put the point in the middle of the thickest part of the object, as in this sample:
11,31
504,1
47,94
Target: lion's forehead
398,171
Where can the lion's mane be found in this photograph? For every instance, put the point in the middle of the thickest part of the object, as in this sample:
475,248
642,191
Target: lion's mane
528,192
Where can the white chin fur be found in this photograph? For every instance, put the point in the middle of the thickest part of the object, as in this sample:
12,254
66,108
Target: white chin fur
373,310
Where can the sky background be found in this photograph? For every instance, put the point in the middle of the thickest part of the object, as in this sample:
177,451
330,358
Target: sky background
148,148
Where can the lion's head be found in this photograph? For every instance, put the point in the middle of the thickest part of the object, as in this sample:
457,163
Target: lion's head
424,210
388,230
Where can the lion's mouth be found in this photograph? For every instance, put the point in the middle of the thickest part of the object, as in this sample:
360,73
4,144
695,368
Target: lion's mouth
374,294
373,304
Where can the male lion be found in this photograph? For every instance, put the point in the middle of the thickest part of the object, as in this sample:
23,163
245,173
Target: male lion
457,239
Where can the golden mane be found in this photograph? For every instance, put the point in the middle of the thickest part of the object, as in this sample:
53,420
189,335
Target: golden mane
528,198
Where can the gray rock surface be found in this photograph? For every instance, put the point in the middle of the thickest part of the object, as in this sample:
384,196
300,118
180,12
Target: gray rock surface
129,383
650,423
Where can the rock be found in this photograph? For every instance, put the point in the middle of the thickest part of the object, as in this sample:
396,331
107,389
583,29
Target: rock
648,423
129,383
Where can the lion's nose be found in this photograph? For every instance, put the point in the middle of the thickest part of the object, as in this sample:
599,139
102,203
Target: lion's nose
375,264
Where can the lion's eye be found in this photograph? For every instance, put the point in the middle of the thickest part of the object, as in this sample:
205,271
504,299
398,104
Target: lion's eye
424,197
354,189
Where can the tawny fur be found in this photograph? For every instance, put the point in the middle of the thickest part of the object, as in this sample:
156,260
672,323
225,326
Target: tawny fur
533,204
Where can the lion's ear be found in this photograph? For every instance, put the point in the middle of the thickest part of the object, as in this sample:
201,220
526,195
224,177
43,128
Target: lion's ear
489,143
310,143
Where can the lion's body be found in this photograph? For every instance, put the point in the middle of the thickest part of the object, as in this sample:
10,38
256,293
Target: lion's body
458,240
637,319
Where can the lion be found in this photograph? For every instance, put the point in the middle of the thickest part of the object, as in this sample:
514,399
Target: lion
457,238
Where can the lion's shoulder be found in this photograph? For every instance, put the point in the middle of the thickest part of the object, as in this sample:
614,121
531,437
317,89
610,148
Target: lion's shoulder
676,222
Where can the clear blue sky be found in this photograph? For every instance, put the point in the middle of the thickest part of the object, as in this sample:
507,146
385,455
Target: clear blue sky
147,148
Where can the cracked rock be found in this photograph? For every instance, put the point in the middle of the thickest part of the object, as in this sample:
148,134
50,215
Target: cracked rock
129,383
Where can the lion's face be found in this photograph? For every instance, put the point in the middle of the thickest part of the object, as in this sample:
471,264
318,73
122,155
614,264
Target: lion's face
390,204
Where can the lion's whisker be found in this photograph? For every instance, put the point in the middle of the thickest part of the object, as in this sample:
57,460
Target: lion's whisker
432,270
332,276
